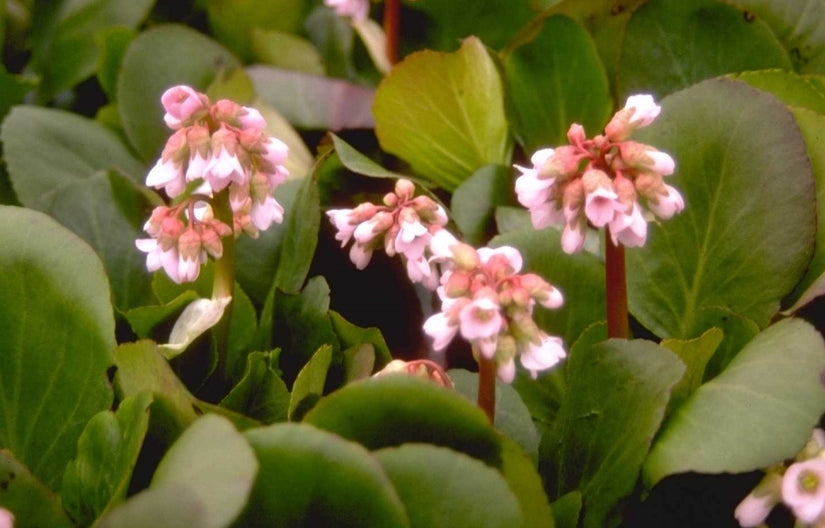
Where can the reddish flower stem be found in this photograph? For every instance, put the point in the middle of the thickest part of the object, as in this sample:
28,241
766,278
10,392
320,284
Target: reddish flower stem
392,28
223,282
487,386
615,289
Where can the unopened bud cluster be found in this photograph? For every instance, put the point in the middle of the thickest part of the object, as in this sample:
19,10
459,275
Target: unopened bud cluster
220,147
486,300
800,486
600,180
404,224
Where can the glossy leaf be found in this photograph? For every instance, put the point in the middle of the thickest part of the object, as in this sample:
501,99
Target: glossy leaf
475,200
359,163
351,335
744,194
31,502
695,354
696,41
69,54
58,335
512,417
760,410
555,80
234,21
144,318
309,385
567,509
391,410
444,113
791,88
737,331
261,393
520,472
615,403
149,68
172,506
107,451
214,461
112,44
442,488
311,478
76,170
310,101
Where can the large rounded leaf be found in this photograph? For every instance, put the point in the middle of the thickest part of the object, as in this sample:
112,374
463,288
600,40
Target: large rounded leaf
747,232
444,489
392,410
695,40
444,113
555,80
58,334
313,479
159,58
757,412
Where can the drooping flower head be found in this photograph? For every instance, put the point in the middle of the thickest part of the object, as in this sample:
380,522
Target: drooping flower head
404,224
215,148
487,301
600,181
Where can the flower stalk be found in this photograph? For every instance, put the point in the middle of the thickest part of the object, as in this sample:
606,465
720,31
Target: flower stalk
615,289
486,384
392,28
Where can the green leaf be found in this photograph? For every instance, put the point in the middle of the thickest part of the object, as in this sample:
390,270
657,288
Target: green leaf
798,25
696,41
112,44
73,169
358,162
309,385
169,506
334,37
443,113
391,410
737,332
14,88
475,200
358,361
107,452
746,179
69,54
512,417
261,393
157,59
58,335
757,412
555,80
525,482
492,21
790,88
314,479
234,22
351,335
32,503
580,278
302,326
695,354
214,461
310,101
567,509
442,488
145,318
615,403
285,51
281,256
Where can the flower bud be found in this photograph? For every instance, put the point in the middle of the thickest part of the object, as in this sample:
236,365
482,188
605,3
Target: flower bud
404,189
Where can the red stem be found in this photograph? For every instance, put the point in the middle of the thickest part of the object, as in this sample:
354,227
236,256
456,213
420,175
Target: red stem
392,17
615,289
487,386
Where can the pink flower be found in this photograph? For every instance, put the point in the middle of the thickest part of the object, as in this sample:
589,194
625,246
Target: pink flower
572,237
643,110
342,219
479,319
251,118
510,254
600,206
803,489
6,518
358,10
629,229
167,175
181,104
507,371
754,509
412,239
439,328
360,255
668,205
663,164
265,213
224,168
156,258
544,355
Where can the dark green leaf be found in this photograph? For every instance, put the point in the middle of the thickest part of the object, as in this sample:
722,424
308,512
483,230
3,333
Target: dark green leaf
615,403
261,393
112,43
695,354
107,451
233,22
309,385
525,482
32,503
359,163
747,182
760,410
475,200
567,509
351,335
144,318
157,59
391,410
313,479
695,41
14,88
58,335
441,488
285,51
444,113
555,80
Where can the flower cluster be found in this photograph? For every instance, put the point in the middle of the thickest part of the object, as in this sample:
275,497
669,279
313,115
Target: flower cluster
600,180
801,488
485,299
216,148
405,224
357,10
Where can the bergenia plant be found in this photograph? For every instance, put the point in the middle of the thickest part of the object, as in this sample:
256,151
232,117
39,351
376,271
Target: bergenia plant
412,264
